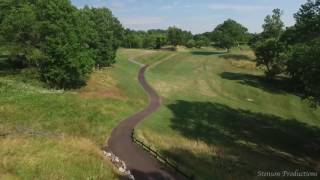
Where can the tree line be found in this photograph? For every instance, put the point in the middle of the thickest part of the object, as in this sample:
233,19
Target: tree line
62,42
226,35
292,52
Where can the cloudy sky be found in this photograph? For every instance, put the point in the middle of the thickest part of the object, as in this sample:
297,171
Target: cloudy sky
195,15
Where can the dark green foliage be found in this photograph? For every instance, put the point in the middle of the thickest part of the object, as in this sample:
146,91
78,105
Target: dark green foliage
273,25
268,53
153,39
175,36
267,47
201,41
303,57
191,43
106,35
158,43
62,42
294,51
20,29
308,19
229,34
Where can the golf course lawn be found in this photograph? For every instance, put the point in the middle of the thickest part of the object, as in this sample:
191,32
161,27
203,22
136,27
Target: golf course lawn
221,120
50,134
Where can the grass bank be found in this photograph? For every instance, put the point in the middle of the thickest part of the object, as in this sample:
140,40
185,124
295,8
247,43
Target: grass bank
52,134
221,120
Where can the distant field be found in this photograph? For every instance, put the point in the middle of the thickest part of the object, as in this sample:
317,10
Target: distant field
221,120
50,134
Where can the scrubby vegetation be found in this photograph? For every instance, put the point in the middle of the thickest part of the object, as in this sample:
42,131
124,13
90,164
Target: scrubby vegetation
62,42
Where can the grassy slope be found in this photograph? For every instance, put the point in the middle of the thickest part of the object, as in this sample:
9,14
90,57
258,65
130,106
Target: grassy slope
220,120
49,134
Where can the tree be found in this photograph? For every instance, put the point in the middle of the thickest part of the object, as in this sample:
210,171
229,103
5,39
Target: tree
107,37
174,36
201,40
229,34
273,25
19,28
158,43
267,46
191,43
303,40
268,53
60,41
67,60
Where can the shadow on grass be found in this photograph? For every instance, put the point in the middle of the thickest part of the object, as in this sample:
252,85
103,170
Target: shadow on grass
249,136
236,57
279,86
139,175
6,68
206,53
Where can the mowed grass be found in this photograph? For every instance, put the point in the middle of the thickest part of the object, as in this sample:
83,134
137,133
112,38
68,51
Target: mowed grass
221,120
147,57
51,134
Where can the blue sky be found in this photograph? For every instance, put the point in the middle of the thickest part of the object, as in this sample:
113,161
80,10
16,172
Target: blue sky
194,15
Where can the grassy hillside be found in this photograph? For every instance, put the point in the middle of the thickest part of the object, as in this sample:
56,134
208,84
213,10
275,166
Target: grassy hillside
50,134
221,120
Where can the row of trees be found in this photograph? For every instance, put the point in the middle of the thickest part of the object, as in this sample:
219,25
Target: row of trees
62,42
294,51
156,38
226,35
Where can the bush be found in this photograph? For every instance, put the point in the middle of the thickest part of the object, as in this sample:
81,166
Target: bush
191,43
268,53
62,42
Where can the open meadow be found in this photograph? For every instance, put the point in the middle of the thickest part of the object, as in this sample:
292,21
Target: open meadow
221,120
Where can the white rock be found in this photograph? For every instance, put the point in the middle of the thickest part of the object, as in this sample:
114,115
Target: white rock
122,170
131,177
250,100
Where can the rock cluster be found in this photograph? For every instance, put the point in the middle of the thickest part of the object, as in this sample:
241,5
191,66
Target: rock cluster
121,165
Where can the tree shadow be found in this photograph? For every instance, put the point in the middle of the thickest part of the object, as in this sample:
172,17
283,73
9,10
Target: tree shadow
236,57
279,85
139,175
248,135
6,68
206,53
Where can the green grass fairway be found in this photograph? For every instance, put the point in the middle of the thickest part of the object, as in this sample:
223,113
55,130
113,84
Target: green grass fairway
49,134
221,120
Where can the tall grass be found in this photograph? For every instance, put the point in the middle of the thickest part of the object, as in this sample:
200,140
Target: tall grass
50,134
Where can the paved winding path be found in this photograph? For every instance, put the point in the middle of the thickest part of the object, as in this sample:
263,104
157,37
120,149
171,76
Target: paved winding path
142,165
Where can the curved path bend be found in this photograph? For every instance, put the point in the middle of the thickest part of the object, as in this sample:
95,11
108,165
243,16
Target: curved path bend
142,165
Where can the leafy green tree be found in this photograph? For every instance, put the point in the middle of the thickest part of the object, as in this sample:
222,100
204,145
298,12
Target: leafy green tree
273,25
268,54
107,38
158,43
67,60
229,34
185,37
19,27
267,47
201,41
191,43
174,36
303,41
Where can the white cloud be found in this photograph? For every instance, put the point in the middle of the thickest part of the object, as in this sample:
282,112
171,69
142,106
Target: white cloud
232,7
